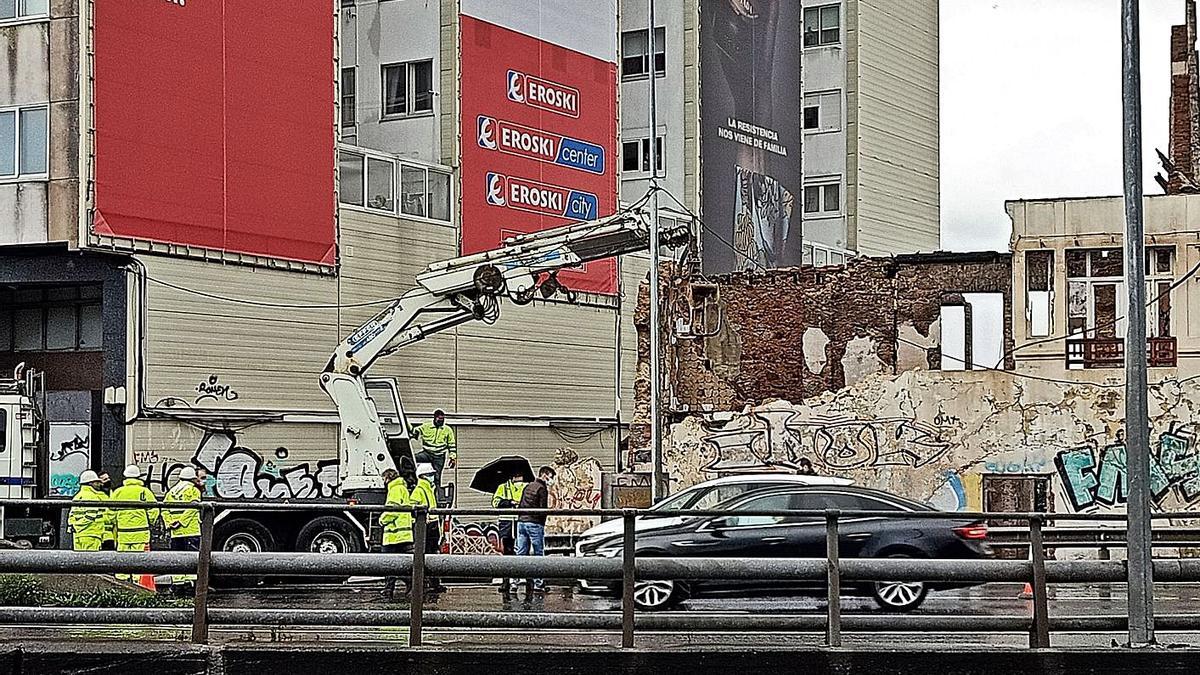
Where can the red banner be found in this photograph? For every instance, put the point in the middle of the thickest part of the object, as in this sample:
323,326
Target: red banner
539,136
214,126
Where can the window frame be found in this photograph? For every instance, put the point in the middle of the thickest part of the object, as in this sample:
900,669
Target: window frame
352,96
18,18
660,51
17,176
819,11
398,166
817,99
822,187
42,307
643,156
410,93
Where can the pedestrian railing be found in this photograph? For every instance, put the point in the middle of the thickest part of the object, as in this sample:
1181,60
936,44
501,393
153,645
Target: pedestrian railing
628,569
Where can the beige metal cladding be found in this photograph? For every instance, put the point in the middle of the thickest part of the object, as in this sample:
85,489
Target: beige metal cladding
210,352
541,360
896,108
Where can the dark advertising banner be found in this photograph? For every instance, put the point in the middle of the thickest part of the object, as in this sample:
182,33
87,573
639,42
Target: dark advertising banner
213,126
750,133
539,123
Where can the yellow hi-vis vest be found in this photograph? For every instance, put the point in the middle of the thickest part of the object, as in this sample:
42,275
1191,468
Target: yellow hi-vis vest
133,525
90,521
397,525
188,519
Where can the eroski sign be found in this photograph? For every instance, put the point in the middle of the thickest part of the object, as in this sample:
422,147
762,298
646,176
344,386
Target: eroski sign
529,195
544,94
523,141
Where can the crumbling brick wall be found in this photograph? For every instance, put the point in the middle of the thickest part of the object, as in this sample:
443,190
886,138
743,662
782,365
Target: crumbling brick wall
792,334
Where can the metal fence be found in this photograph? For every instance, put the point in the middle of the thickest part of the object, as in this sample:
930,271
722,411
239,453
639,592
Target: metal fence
627,568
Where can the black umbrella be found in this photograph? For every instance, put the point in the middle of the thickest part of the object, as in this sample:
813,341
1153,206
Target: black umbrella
496,472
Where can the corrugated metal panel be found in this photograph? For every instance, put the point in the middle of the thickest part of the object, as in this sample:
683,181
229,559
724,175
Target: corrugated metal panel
542,359
269,356
894,168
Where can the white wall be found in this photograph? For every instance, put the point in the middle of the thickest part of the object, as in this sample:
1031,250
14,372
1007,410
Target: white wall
378,33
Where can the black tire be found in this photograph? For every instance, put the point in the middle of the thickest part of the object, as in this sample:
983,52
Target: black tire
653,596
244,535
329,534
899,596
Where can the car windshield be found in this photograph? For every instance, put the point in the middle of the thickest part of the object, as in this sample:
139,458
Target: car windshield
706,498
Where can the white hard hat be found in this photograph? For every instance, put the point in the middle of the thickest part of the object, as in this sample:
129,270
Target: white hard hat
89,476
187,473
425,469
133,471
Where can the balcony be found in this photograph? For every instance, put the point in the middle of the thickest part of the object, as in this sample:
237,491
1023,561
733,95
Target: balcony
1110,353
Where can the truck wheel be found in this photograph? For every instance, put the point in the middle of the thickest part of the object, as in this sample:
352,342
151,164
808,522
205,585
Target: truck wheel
329,534
242,535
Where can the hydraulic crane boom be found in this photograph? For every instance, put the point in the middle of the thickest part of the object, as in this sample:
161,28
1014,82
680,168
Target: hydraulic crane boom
448,294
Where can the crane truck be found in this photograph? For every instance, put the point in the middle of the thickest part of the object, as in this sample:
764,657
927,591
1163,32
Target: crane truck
374,433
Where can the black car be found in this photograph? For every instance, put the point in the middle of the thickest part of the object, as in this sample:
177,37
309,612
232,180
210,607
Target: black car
735,536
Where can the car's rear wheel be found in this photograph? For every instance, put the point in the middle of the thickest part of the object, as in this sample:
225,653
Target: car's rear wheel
899,596
657,595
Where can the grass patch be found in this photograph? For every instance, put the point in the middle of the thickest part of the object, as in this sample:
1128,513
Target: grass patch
26,590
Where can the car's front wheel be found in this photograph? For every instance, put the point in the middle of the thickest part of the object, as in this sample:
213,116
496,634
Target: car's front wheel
899,596
657,595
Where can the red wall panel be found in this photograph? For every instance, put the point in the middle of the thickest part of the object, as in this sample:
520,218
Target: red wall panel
547,173
214,126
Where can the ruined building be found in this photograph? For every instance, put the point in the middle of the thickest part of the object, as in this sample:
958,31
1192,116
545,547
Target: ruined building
1181,164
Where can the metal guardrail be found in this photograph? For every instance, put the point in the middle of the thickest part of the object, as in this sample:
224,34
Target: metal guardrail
628,568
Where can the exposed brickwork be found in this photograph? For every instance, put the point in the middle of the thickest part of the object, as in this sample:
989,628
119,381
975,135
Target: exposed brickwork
756,350
1182,164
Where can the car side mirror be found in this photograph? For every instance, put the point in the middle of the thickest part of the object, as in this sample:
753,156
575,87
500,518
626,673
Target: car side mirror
721,522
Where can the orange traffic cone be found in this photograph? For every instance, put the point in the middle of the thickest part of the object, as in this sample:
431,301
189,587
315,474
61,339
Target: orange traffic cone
146,581
1027,592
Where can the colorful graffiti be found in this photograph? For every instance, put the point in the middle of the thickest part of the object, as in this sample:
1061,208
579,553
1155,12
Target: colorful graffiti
1094,477
475,538
236,472
70,446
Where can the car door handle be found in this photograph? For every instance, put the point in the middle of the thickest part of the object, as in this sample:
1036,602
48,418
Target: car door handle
684,544
773,540
859,536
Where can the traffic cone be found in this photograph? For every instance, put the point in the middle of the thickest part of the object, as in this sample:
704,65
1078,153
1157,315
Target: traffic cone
1027,592
146,581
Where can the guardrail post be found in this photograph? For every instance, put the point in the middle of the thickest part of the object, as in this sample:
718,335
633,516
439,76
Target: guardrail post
416,593
833,628
203,561
1039,635
627,579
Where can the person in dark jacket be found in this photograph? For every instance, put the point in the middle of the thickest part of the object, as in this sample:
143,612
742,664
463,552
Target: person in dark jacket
531,528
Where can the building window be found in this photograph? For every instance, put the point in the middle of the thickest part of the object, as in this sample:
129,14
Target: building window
23,142
369,181
65,318
822,26
635,49
407,89
635,155
972,328
823,199
349,89
823,111
1097,305
20,10
1039,292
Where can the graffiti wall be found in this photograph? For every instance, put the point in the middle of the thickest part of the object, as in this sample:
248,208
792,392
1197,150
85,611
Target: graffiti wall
70,446
932,435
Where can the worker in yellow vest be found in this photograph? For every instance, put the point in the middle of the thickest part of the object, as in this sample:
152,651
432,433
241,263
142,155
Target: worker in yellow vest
439,447
133,524
508,496
109,543
397,525
89,524
183,524
426,495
